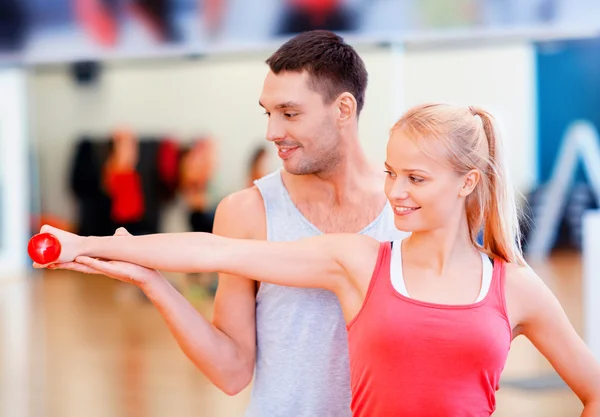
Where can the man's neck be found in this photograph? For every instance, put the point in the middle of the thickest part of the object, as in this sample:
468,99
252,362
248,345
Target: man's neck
351,179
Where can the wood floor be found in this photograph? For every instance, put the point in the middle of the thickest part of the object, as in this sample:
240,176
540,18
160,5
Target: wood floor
86,346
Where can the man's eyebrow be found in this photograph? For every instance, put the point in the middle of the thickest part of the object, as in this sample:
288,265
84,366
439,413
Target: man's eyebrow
286,105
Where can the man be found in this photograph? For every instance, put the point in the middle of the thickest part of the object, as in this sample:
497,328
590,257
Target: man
292,340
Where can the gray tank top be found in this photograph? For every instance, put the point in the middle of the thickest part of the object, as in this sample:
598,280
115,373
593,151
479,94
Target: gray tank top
302,367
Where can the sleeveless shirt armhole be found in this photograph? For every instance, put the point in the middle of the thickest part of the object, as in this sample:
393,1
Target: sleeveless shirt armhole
268,235
383,248
500,284
266,206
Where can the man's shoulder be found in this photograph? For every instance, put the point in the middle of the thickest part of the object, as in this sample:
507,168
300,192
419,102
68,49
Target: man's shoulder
248,198
242,210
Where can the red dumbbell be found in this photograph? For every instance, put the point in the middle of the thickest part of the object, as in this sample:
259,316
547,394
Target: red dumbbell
44,248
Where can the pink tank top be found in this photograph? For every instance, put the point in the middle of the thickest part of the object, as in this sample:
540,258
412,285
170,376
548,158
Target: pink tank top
414,358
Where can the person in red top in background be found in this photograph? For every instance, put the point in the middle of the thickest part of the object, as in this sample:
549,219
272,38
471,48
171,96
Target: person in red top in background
122,182
430,318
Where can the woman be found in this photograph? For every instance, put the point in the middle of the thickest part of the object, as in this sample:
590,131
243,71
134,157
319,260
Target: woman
430,318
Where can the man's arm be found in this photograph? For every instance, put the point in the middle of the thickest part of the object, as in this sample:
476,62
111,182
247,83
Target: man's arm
235,300
225,349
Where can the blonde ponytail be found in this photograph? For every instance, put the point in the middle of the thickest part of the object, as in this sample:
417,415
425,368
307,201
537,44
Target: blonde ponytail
501,232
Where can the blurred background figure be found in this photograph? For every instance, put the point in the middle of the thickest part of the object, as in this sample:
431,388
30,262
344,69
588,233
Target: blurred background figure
100,18
197,170
304,15
104,20
122,182
257,168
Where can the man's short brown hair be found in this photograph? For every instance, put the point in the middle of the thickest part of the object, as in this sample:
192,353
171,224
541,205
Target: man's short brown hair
333,66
